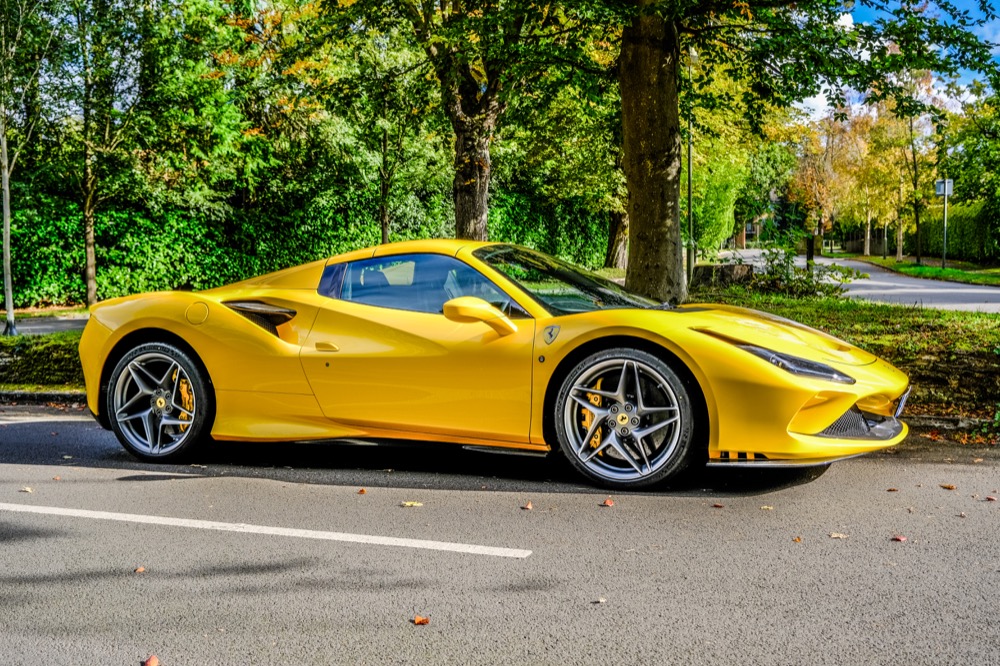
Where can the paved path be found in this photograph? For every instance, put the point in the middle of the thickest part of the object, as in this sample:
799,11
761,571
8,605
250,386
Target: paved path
41,325
887,287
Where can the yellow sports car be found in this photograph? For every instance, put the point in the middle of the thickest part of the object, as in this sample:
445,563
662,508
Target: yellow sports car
483,345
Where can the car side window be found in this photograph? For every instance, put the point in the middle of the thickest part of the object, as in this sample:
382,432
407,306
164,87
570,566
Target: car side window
420,283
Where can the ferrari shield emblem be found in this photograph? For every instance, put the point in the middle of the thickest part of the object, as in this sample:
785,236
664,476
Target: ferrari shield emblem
550,334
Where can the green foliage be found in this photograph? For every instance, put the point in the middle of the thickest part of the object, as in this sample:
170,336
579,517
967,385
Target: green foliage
565,228
41,359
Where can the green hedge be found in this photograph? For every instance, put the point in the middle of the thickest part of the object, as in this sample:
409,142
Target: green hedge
41,359
973,233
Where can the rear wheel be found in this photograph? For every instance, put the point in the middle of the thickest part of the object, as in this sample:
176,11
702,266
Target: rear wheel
624,419
159,403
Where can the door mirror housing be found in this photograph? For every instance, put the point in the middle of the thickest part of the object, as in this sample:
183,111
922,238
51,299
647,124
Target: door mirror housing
467,309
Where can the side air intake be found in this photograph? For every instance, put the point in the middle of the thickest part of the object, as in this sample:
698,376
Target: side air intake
265,315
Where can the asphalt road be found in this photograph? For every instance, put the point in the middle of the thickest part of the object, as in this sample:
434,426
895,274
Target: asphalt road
658,578
888,287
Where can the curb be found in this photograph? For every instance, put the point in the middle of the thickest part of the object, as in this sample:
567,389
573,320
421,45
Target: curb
43,397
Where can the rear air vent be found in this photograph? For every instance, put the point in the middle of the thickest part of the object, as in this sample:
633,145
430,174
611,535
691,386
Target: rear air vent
265,315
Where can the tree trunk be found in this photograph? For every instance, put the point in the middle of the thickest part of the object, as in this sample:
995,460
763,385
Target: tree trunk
8,278
868,232
647,74
385,185
472,175
617,254
899,240
89,238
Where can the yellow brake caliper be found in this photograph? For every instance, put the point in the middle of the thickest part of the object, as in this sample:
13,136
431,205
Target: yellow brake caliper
588,416
187,399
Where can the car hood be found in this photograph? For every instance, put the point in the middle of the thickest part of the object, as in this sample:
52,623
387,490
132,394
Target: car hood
772,332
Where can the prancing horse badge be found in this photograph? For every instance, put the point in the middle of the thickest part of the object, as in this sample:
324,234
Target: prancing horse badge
550,334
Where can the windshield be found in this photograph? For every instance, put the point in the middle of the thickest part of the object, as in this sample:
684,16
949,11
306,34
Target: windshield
560,287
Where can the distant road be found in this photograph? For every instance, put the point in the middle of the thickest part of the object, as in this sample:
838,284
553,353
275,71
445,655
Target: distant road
885,286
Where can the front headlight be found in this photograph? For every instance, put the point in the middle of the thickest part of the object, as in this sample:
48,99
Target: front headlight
798,366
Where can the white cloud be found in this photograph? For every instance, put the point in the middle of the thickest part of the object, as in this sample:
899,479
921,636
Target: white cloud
845,21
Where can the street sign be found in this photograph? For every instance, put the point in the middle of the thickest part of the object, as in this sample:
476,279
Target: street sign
939,186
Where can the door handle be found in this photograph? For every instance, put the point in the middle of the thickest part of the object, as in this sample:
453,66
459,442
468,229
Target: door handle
326,347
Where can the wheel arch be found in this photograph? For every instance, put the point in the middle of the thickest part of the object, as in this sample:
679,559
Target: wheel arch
132,340
699,403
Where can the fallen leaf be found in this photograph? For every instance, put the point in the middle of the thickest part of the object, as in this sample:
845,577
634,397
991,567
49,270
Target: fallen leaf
948,486
990,498
797,539
528,507
767,507
962,515
838,535
26,489
57,478
600,600
410,504
608,502
978,460
899,537
892,490
362,491
140,570
718,506
151,660
419,619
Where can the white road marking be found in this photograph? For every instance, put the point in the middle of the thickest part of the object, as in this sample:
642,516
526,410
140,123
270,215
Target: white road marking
468,549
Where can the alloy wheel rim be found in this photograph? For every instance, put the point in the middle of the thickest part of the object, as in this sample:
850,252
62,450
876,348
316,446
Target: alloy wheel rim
154,404
625,433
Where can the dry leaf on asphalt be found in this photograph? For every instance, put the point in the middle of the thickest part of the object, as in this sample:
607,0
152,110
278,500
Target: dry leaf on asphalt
608,502
718,506
600,600
899,537
797,539
421,620
152,660
140,570
948,486
892,490
767,507
26,489
838,535
411,504
57,478
528,507
990,498
362,491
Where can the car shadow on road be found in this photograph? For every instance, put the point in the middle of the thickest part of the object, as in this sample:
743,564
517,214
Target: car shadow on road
419,465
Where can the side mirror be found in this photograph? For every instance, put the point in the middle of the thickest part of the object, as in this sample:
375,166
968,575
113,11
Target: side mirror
467,309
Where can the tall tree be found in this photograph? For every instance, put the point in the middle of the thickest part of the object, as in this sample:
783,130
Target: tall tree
483,53
785,51
27,31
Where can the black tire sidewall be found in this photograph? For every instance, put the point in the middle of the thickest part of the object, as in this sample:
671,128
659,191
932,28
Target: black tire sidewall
204,396
683,453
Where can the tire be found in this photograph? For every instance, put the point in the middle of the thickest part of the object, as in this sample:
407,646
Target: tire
160,403
624,419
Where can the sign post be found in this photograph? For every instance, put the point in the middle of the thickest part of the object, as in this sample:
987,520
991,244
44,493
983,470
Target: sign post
943,188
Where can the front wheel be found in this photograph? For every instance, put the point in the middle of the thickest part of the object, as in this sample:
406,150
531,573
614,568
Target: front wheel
624,419
159,403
